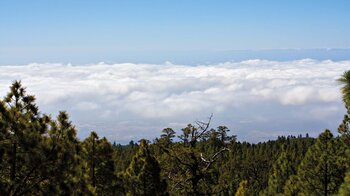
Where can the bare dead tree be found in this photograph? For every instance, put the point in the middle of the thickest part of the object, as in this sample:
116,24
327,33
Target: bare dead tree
193,166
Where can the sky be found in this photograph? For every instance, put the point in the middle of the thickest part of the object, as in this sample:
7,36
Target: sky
128,69
86,31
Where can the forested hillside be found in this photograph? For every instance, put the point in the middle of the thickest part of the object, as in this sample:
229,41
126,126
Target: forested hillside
41,155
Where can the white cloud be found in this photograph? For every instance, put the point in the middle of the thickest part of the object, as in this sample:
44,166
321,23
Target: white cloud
86,106
158,95
299,95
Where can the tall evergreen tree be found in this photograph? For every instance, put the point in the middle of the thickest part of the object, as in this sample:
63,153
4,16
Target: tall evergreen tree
107,181
143,175
21,141
34,148
343,128
90,145
322,170
66,154
99,154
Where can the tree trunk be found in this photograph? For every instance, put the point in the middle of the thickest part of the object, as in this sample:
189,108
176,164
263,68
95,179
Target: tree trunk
93,163
326,180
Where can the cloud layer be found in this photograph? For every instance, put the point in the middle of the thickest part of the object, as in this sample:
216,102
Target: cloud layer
258,99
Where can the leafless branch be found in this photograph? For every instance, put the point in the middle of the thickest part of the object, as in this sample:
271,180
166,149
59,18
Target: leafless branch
203,126
215,157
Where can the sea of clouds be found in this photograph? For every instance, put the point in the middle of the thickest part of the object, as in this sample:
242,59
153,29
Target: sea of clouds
257,99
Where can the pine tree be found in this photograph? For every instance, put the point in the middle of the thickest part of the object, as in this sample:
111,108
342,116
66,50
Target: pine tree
143,175
34,148
67,158
107,182
90,145
99,154
322,170
343,128
21,141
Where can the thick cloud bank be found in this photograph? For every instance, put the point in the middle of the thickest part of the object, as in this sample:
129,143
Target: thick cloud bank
257,99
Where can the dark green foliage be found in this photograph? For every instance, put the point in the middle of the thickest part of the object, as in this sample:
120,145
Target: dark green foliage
68,169
125,151
143,175
343,129
100,154
34,148
20,131
323,168
284,167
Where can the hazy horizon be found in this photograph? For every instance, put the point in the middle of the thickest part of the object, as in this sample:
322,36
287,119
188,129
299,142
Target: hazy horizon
191,57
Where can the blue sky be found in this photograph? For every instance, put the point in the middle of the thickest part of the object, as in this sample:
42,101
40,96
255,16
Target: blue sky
92,31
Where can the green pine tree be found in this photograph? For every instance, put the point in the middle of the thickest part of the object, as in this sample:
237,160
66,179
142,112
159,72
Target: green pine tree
143,174
90,145
99,154
322,170
66,154
34,148
21,142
